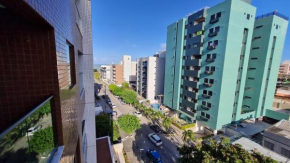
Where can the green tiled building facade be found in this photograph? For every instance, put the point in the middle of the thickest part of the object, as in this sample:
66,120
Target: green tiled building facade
222,63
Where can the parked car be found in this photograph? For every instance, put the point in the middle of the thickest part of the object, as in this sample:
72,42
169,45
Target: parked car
243,125
113,105
154,156
155,139
112,112
156,128
138,114
32,130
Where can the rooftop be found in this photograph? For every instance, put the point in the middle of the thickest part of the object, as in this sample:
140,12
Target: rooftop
249,145
104,152
273,13
281,128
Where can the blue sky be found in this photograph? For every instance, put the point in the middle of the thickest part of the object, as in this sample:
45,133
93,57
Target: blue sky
138,27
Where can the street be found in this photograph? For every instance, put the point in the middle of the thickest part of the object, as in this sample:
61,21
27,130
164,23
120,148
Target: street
136,145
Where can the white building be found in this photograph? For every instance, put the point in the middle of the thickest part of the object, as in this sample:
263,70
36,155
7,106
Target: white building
129,70
105,72
150,76
285,68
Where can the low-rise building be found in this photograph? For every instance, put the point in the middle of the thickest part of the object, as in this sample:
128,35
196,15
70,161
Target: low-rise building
277,138
285,67
105,72
150,76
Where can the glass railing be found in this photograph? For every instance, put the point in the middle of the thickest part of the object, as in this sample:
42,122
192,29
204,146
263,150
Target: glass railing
29,140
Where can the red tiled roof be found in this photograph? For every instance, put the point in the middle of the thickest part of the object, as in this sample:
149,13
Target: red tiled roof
103,151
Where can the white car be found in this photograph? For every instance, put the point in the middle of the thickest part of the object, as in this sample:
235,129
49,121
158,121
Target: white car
113,105
155,139
138,114
32,130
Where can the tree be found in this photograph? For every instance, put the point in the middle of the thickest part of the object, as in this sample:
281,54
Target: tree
147,112
116,133
129,96
188,135
42,141
95,70
166,123
97,75
223,151
103,127
125,85
129,123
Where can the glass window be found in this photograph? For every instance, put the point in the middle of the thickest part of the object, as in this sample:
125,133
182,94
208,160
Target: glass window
212,17
211,30
248,16
212,68
285,152
268,145
217,29
208,56
210,93
211,81
204,91
206,80
209,105
202,114
216,42
203,103
219,14
207,116
189,35
214,56
206,68
70,63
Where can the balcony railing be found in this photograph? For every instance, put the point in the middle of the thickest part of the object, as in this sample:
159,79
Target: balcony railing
208,72
214,20
211,47
213,34
272,13
206,96
201,118
199,20
210,59
207,84
205,107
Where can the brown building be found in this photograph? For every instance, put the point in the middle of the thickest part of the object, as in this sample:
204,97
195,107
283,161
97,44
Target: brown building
46,81
285,68
117,75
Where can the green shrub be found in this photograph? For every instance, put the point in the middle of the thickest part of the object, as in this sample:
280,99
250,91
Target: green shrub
42,141
116,133
187,126
129,123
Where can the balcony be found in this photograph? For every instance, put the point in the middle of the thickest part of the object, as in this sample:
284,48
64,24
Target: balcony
205,107
199,20
207,84
212,21
206,96
208,72
210,59
211,47
213,34
201,118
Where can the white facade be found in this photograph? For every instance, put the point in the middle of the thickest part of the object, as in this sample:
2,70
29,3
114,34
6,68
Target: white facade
285,68
126,61
105,72
150,76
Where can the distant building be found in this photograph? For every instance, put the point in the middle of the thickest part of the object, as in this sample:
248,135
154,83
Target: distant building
105,72
129,69
285,68
150,76
117,74
222,63
277,138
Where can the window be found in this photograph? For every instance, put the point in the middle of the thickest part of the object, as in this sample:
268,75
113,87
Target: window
204,91
254,58
251,78
258,37
188,46
210,93
190,24
207,116
206,68
277,26
211,30
214,56
248,16
219,14
268,145
203,103
209,105
212,68
189,35
202,114
206,80
285,152
216,42
255,48
208,56
185,26
217,29
71,65
260,26
212,17
211,81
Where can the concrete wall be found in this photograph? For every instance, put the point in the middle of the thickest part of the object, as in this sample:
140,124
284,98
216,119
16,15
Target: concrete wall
126,62
278,141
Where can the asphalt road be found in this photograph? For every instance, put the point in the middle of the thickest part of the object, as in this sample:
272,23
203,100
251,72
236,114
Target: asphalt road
136,145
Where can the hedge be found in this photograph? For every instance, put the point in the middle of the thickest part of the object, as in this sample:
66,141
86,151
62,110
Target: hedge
184,126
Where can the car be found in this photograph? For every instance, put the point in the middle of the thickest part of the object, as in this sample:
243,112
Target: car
155,139
242,125
156,128
138,114
32,130
154,156
113,105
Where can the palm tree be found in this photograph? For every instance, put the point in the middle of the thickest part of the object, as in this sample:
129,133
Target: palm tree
147,112
188,135
166,123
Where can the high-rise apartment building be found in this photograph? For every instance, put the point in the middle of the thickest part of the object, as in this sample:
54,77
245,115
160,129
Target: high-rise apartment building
150,76
285,68
46,82
117,74
222,63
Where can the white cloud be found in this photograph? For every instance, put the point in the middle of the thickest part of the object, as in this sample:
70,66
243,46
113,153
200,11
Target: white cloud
163,46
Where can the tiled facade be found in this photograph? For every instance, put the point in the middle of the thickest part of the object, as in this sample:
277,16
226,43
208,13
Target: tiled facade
33,65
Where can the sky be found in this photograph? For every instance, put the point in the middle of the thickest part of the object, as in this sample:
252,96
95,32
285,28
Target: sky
138,27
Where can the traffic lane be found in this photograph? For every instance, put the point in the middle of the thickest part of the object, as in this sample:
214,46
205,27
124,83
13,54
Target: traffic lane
167,150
